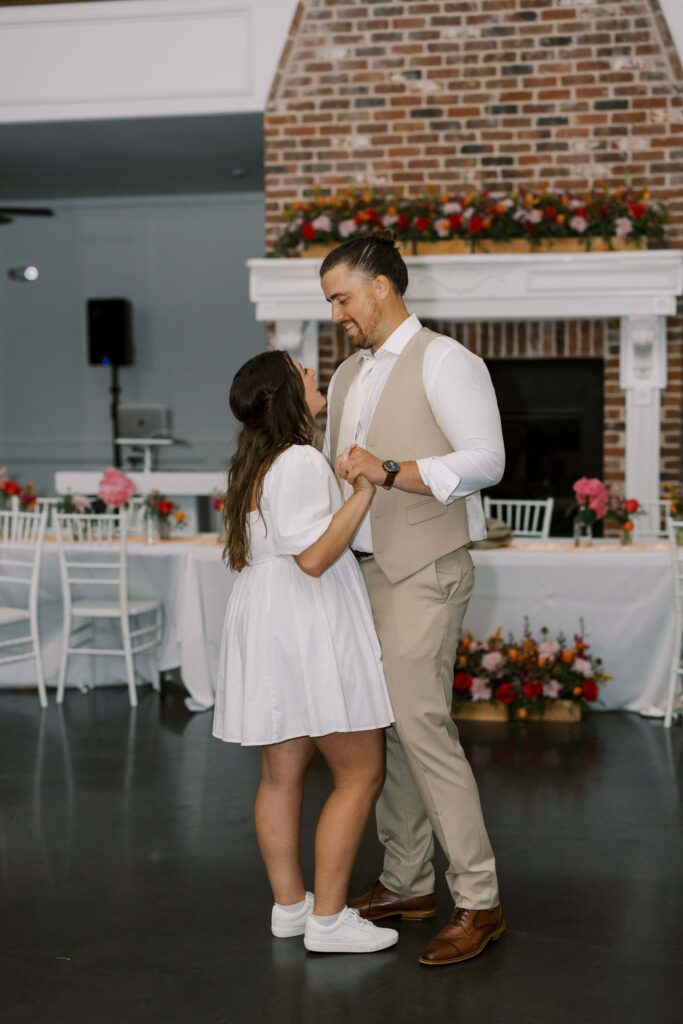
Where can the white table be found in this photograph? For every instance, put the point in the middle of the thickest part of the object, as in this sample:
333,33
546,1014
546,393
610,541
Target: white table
624,595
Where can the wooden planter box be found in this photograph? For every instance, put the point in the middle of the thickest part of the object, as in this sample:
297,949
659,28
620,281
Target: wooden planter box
481,711
460,247
557,711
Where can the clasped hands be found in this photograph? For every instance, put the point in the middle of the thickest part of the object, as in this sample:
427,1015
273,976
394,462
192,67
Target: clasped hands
356,464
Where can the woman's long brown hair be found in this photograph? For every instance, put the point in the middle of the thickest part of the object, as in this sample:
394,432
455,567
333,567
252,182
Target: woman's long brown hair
267,397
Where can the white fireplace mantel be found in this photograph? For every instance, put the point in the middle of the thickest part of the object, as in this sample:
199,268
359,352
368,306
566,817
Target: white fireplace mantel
639,288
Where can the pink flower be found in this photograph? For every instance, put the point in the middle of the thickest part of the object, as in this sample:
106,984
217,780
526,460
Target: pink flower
491,661
552,689
116,489
549,649
347,227
449,208
535,216
623,226
480,690
442,226
592,493
388,219
578,224
322,223
583,666
81,503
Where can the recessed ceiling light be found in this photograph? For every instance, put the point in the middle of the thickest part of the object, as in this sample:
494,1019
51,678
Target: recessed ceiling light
26,274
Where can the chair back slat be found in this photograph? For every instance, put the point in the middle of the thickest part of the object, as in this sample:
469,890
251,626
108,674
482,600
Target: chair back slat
92,553
528,519
22,535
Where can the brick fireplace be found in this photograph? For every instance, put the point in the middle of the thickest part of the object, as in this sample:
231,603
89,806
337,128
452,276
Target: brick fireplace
491,93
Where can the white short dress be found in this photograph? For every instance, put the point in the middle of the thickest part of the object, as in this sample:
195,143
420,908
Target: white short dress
299,654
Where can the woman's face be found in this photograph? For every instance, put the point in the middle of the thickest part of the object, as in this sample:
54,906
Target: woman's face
314,400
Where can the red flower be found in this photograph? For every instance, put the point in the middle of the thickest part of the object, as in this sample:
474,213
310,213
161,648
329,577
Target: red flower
164,508
30,501
11,488
462,681
455,220
308,232
532,690
550,211
217,504
638,210
422,223
403,221
476,225
590,690
370,214
632,505
505,693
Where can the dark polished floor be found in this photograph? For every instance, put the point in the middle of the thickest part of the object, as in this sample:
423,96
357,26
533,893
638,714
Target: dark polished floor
132,889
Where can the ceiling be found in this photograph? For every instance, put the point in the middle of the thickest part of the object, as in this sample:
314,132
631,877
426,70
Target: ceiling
136,156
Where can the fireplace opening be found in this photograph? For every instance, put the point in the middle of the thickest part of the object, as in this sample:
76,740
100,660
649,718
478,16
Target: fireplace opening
552,416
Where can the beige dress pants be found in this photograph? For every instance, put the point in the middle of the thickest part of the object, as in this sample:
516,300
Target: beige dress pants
429,787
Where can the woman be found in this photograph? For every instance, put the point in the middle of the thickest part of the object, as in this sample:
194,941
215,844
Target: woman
300,666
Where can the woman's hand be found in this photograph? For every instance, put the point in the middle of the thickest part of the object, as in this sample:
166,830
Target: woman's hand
342,464
361,483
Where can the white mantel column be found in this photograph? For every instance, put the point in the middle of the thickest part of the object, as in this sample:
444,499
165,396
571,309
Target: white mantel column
642,375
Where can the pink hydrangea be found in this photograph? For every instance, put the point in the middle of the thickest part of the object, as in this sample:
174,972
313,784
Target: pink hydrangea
347,227
491,661
592,493
322,223
583,666
116,489
578,224
480,690
623,226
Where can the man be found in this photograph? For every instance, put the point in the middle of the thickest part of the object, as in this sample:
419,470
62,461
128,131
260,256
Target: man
416,414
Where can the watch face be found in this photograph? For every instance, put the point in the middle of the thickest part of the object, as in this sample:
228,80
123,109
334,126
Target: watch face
391,466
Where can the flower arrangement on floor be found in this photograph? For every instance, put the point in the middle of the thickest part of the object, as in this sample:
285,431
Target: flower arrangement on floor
164,514
472,216
9,488
526,675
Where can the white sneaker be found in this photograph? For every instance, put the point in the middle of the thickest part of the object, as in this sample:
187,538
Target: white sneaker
349,934
283,925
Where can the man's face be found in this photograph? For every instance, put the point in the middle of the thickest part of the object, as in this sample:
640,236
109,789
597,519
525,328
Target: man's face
355,304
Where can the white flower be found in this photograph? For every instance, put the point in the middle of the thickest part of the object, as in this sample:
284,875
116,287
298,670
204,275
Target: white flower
575,204
480,690
347,227
388,219
549,648
583,666
552,689
624,226
468,212
322,223
535,216
448,208
442,226
578,224
491,661
81,503
519,214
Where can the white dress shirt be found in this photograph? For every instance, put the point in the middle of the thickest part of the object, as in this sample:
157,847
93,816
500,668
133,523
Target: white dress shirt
461,396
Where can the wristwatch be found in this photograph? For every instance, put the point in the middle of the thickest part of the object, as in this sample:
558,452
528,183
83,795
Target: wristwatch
392,469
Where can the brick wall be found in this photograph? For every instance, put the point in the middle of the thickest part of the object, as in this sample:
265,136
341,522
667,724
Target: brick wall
498,93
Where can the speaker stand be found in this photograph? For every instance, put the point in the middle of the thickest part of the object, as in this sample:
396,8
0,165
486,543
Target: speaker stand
115,391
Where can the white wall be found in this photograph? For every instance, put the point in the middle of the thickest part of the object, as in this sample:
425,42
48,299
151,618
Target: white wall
181,262
139,58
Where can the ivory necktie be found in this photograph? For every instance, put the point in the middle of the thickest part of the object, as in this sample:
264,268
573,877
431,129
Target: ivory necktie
353,407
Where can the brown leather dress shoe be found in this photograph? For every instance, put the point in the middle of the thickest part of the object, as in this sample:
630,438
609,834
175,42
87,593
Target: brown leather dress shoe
379,902
466,935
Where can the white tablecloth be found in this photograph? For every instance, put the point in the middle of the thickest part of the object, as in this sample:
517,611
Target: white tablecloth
624,596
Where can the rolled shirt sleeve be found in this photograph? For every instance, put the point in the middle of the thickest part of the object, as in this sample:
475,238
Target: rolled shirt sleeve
461,395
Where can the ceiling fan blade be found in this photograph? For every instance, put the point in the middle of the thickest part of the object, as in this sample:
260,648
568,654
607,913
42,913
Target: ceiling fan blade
25,211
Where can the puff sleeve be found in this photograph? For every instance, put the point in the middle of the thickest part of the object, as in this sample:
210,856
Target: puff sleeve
302,496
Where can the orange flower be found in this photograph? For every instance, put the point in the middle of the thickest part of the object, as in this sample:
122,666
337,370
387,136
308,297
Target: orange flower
180,516
521,713
513,655
560,218
465,642
577,691
462,661
542,661
628,526
486,222
501,208
297,205
444,197
567,656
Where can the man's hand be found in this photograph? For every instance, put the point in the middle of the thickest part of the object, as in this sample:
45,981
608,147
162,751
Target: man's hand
361,462
342,464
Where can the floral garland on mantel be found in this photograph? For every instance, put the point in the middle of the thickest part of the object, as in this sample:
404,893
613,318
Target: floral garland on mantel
534,219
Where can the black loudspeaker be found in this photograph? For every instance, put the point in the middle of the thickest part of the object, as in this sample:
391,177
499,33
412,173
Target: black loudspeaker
110,334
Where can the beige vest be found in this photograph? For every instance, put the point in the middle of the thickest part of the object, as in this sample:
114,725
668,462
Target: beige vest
408,530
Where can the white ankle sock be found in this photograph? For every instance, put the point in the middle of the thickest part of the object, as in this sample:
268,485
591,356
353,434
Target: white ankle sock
291,908
327,922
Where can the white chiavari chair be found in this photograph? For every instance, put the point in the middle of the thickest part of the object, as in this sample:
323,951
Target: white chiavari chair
673,698
93,558
21,548
135,513
50,507
528,519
